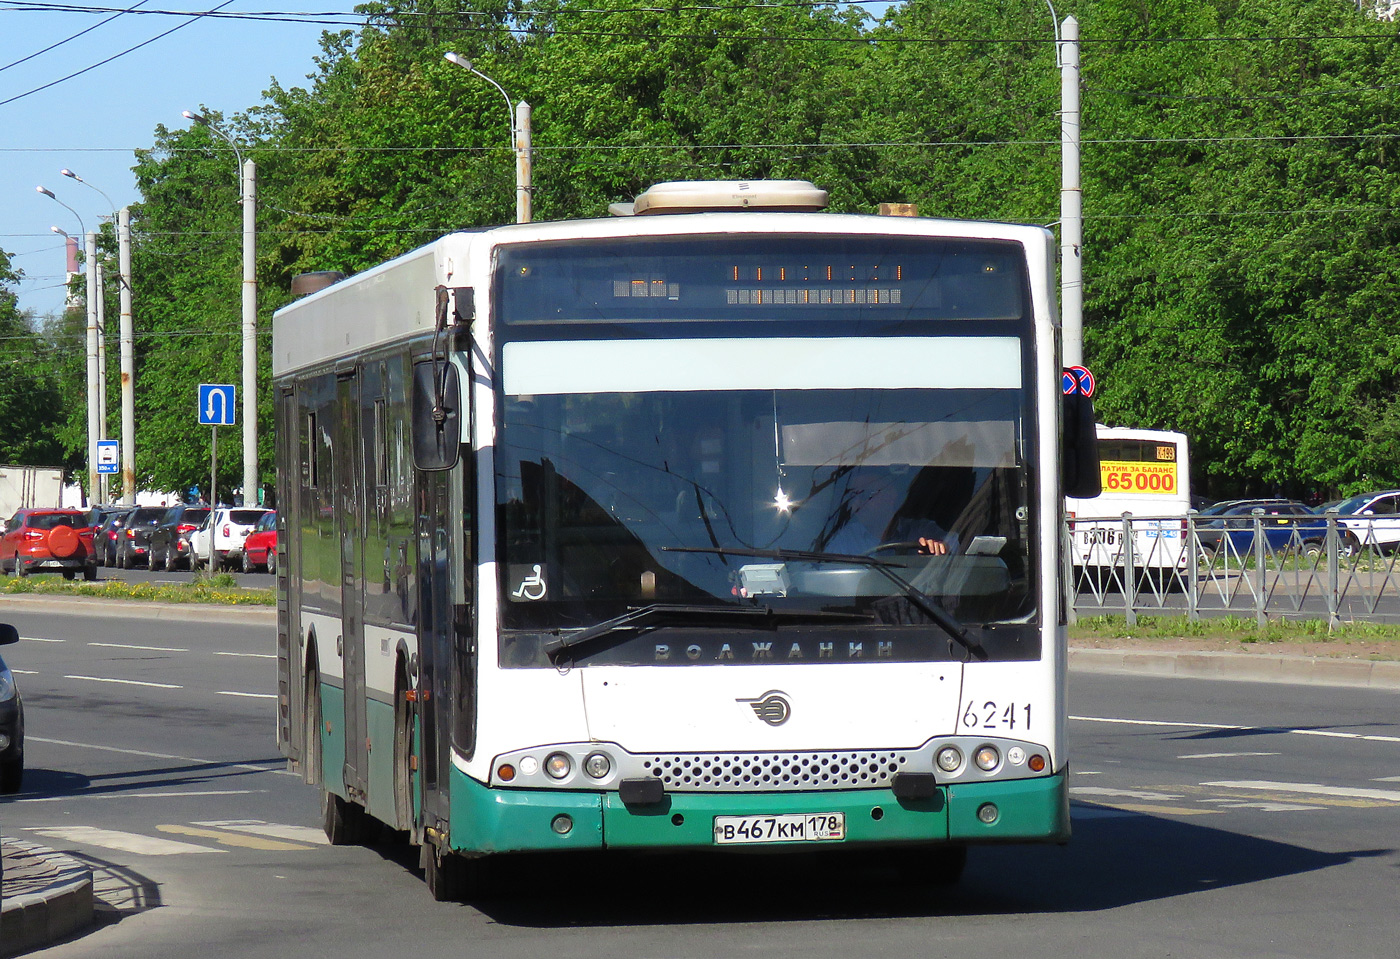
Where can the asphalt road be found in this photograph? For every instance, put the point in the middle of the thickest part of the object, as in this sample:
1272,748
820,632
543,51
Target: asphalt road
1211,819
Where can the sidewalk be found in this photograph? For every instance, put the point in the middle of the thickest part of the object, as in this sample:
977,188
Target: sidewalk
45,896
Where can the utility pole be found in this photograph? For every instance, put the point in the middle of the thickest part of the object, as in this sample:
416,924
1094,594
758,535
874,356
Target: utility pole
128,360
93,410
102,369
1071,199
523,209
250,338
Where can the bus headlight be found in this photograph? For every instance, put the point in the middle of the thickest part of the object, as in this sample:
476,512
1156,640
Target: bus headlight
597,765
558,765
987,758
949,758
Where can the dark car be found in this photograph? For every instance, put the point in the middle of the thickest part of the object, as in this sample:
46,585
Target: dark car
170,540
134,539
1286,524
104,538
11,721
96,519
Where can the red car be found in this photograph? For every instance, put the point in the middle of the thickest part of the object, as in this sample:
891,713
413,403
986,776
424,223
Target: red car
39,539
260,548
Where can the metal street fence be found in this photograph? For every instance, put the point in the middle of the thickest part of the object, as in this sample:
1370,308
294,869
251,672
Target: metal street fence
1294,567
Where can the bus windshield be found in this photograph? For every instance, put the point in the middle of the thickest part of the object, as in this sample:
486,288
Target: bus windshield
609,501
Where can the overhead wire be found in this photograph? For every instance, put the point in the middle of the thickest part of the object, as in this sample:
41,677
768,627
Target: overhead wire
53,83
80,33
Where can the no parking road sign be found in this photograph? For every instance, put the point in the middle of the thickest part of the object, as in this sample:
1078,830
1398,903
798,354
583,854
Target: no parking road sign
216,404
1077,379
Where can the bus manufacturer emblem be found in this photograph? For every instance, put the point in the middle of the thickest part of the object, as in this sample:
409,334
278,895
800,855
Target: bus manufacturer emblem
772,707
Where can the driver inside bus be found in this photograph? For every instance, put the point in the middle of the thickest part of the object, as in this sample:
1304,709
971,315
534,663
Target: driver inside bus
876,509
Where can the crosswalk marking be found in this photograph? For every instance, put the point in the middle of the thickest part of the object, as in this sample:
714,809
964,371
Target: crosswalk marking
232,839
1124,793
306,834
121,841
240,833
1316,789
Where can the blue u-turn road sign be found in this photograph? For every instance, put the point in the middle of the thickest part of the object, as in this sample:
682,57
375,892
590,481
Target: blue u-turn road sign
216,404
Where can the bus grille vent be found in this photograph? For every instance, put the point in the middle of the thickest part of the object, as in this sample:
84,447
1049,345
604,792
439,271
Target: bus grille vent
792,772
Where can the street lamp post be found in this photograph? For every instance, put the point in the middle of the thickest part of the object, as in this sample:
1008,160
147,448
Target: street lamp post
520,139
248,189
93,411
121,222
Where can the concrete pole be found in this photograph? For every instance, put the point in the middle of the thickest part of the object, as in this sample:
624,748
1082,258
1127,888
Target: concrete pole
128,360
250,336
102,368
93,430
1071,199
522,162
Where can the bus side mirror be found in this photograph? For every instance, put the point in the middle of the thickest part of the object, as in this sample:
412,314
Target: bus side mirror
8,634
1079,448
437,423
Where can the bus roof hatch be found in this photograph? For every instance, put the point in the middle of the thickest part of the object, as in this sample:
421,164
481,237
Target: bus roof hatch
702,196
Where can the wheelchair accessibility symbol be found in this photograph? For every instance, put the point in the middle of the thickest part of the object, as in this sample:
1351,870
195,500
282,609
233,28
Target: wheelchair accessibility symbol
532,585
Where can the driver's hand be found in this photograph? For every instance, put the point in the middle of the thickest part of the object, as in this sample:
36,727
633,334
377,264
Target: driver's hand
934,547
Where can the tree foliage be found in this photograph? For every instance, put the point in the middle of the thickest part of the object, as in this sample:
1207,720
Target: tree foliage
1239,192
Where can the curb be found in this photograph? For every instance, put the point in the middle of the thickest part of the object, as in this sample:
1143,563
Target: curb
54,899
139,609
1240,667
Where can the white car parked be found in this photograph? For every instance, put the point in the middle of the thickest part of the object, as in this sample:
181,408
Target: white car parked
230,526
1371,520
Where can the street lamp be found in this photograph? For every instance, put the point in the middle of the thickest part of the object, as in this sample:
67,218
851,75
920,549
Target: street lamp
93,399
248,183
519,135
121,222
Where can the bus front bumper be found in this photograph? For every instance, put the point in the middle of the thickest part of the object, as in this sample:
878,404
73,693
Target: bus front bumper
486,820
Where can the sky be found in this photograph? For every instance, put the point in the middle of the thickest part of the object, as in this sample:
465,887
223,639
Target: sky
93,123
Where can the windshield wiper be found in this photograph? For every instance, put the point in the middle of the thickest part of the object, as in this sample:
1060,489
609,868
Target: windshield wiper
927,604
644,617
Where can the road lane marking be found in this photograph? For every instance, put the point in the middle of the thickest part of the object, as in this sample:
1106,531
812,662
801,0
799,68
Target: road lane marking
119,794
121,841
249,655
40,639
154,649
146,755
1386,779
305,834
229,692
1369,737
1314,789
125,682
1125,793
1224,755
234,839
24,672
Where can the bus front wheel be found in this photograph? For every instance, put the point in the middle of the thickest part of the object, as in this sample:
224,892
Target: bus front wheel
450,877
342,819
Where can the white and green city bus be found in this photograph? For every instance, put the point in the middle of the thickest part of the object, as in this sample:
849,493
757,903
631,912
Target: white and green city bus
727,524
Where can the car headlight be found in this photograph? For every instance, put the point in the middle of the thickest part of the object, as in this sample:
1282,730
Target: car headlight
7,685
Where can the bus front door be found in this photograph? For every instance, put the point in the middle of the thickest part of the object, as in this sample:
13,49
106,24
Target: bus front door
350,499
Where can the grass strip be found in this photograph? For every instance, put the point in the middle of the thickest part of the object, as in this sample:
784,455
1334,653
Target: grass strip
1241,629
221,589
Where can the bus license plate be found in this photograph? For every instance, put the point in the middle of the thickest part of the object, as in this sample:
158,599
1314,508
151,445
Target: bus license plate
807,827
